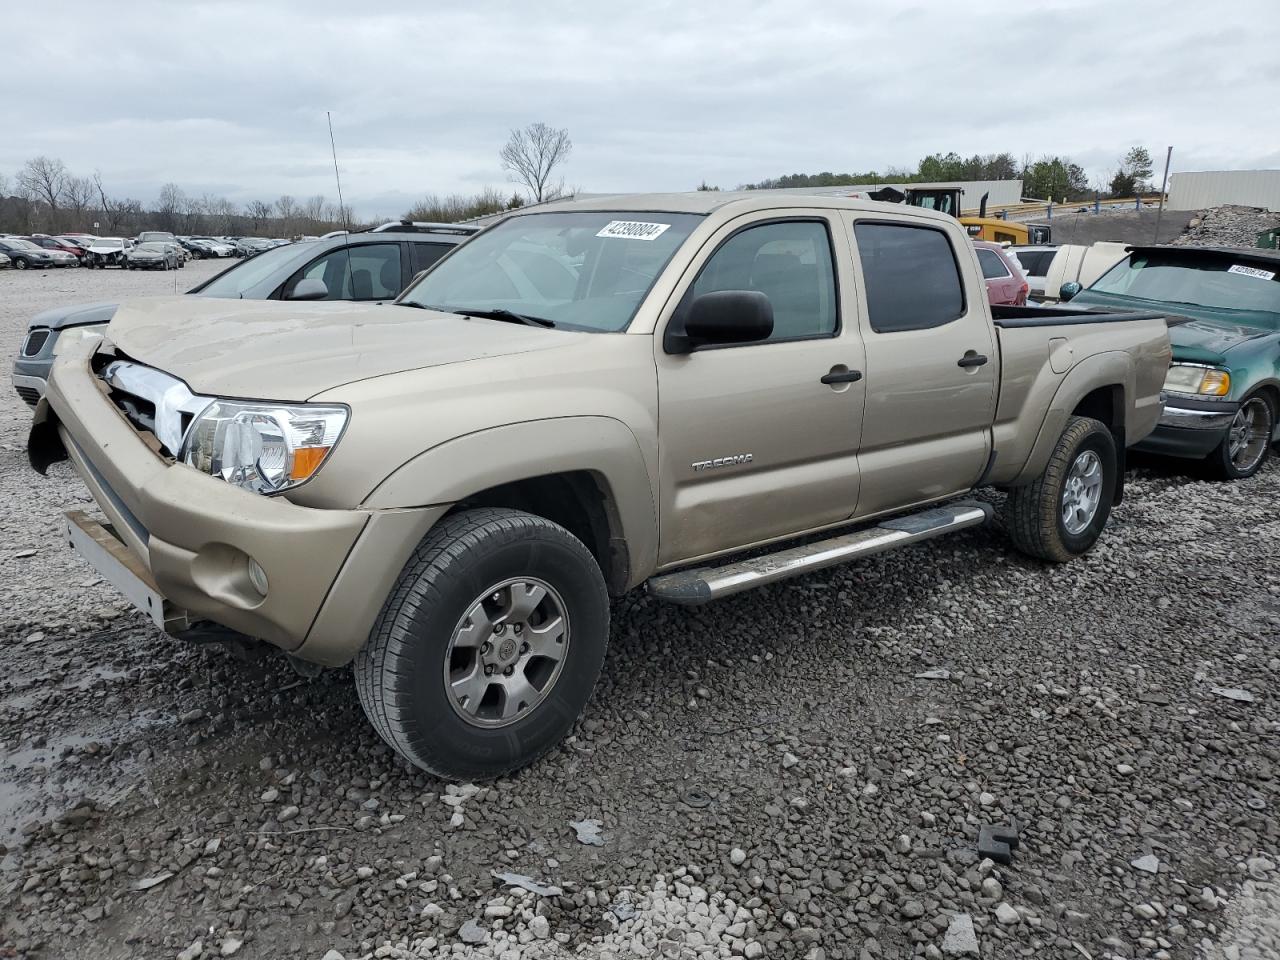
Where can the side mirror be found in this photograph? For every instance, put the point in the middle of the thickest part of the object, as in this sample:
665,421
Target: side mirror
1068,290
308,288
725,316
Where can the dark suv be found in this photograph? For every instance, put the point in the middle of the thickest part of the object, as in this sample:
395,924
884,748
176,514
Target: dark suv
351,266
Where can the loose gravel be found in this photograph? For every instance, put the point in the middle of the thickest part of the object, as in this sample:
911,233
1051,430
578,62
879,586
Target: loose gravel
797,772
1229,226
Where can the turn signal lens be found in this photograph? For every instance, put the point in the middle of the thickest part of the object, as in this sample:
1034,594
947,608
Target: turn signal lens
1216,383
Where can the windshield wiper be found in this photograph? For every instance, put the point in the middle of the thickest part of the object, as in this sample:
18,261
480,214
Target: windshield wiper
501,313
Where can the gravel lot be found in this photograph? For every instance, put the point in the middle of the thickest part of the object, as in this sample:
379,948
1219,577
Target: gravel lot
770,775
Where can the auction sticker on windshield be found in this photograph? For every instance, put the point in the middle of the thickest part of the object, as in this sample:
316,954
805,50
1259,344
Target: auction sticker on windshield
632,230
1245,271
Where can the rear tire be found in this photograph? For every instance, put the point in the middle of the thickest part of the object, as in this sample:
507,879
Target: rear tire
20,264
423,677
1247,444
1062,513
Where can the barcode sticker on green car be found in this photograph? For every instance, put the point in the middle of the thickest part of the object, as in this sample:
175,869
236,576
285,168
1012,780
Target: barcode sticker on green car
1251,272
633,230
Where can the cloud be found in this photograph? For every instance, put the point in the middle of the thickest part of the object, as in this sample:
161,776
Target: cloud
230,97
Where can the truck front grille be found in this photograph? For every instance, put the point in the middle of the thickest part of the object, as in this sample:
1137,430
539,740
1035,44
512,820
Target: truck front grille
153,401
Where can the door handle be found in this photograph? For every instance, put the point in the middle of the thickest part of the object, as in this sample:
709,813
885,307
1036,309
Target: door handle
847,376
971,359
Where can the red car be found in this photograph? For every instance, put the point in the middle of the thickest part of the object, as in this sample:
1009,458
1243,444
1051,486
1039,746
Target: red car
55,243
1006,284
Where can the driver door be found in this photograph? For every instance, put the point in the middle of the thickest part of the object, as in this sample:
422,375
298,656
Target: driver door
753,444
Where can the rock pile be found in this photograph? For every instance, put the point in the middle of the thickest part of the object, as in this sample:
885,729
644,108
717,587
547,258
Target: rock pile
1228,226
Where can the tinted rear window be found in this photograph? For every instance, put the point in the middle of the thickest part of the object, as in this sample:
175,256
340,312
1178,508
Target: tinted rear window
1035,262
993,267
911,277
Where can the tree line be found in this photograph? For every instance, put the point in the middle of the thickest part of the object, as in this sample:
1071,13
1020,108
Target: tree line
1049,177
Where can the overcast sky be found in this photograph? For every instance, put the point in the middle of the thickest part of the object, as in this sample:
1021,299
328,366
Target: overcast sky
230,97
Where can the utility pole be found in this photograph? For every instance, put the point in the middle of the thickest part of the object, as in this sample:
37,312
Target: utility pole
1164,181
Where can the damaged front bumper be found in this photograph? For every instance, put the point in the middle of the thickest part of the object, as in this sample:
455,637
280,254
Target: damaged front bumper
184,546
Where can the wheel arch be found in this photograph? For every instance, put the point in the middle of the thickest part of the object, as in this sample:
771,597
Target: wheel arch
587,474
1102,384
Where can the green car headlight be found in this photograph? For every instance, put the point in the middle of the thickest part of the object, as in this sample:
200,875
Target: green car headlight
1197,381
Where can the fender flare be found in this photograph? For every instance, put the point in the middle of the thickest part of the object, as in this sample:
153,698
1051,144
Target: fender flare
604,447
1111,369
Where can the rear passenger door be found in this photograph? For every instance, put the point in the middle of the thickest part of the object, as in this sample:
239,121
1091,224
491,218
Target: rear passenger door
753,444
932,364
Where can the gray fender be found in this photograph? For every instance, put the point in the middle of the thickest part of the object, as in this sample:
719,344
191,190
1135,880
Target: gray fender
1114,368
601,446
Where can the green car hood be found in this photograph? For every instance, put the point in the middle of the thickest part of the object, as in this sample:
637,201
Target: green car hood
1197,334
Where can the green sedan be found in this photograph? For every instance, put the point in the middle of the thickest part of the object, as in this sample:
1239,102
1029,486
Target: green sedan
1222,393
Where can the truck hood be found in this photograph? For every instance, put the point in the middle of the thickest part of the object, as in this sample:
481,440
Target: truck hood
269,349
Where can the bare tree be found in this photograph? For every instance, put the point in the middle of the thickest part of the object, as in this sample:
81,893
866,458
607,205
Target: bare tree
259,212
172,200
4,186
79,194
44,179
287,211
111,212
532,155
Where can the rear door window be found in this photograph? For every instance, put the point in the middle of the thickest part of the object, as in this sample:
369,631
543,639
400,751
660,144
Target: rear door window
425,254
993,267
911,277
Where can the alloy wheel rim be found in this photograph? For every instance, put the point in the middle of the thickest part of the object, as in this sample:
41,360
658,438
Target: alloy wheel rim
506,652
1247,437
1082,492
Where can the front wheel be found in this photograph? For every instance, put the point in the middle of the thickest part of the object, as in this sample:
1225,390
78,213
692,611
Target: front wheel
1062,513
488,647
1247,443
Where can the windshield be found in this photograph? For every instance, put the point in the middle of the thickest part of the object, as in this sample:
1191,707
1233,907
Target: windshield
22,244
584,271
151,247
1217,283
108,242
154,236
249,273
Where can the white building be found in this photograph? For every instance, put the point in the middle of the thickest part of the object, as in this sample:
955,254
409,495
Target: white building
1212,188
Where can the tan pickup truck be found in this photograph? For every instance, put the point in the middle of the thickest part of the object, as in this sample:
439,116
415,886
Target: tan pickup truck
576,402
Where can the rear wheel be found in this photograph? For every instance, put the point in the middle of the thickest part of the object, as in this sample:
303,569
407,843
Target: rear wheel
488,647
20,263
1247,443
1061,515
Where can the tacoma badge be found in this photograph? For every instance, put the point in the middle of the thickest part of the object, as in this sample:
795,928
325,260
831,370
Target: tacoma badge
735,460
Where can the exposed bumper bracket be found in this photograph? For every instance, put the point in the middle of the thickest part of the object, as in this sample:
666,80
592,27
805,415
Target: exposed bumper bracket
114,561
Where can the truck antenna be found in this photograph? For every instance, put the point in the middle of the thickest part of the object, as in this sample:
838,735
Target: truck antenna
342,207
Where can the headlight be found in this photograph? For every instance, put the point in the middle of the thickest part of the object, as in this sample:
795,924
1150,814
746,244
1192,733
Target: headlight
263,447
1201,381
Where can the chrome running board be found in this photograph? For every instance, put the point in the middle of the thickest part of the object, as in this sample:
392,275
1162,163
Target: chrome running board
711,583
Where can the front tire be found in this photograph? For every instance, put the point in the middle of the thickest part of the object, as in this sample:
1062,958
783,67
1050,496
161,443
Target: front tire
1247,443
1062,513
488,647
